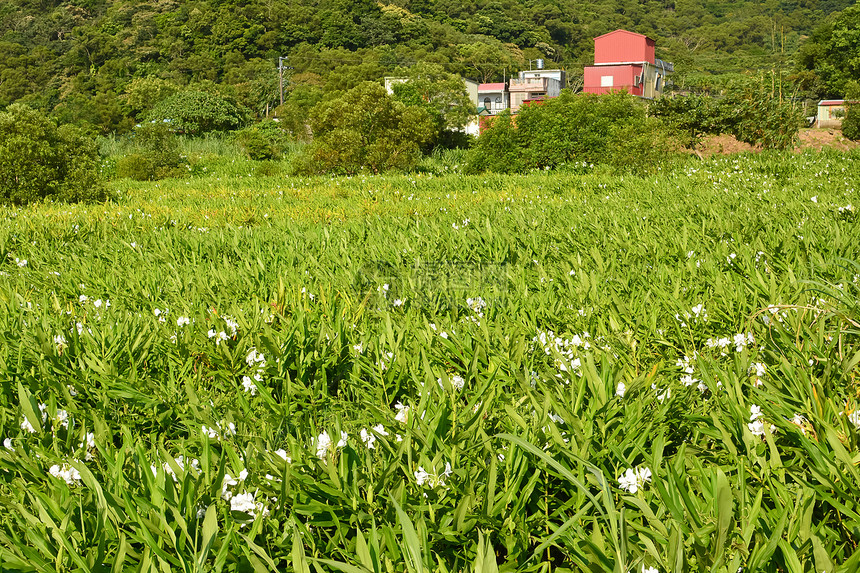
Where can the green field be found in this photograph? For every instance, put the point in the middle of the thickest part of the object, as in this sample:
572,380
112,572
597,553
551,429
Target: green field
580,371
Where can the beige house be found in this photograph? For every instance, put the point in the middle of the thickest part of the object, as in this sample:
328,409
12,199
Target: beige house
534,85
831,112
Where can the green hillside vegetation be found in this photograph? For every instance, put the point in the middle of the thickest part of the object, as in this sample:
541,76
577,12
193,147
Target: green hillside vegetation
104,64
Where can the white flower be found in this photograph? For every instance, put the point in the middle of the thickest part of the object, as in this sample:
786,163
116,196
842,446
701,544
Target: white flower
421,476
20,262
649,569
66,473
243,475
7,443
756,428
218,336
633,480
367,438
27,426
63,418
283,455
255,359
323,443
211,432
90,443
226,483
755,413
249,386
380,429
359,348
183,321
814,199
398,302
402,413
341,443
60,341
854,418
83,298
620,390
246,503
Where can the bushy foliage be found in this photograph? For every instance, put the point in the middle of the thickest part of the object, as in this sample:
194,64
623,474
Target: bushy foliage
39,160
156,155
691,117
366,128
264,140
752,111
851,123
141,94
197,112
574,129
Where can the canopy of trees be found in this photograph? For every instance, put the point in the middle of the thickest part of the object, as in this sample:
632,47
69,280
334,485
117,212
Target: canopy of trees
105,63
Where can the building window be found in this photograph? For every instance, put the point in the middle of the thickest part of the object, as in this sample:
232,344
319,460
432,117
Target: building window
487,102
606,81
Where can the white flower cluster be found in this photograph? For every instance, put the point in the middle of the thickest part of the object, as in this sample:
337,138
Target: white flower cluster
247,503
218,431
457,381
257,361
221,336
740,340
634,480
687,379
369,437
697,313
758,370
566,347
427,479
90,444
756,424
66,473
477,305
323,444
180,461
854,418
774,310
402,415
61,418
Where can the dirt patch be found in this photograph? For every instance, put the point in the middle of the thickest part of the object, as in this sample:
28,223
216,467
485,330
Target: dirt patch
816,139
821,138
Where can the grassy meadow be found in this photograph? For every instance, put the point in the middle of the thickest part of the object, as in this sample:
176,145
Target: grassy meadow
559,371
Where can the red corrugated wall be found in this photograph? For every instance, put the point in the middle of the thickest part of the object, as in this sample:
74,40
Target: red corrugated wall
623,46
622,78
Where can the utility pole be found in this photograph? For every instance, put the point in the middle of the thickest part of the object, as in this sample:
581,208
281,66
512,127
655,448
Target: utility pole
281,68
281,78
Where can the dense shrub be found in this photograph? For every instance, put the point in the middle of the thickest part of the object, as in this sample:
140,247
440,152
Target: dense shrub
39,160
851,123
156,155
497,149
366,129
196,112
751,111
574,129
263,141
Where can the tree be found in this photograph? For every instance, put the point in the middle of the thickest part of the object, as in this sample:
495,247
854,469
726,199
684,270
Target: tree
196,112
485,59
38,160
367,128
442,95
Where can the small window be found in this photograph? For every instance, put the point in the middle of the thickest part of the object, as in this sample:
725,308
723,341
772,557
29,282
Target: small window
487,102
606,81
499,100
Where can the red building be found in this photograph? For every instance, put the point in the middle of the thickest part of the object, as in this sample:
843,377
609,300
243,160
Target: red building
625,61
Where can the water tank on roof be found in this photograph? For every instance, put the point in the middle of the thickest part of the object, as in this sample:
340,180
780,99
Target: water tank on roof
539,63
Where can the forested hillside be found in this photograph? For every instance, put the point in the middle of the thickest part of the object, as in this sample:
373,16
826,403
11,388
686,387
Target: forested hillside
104,63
